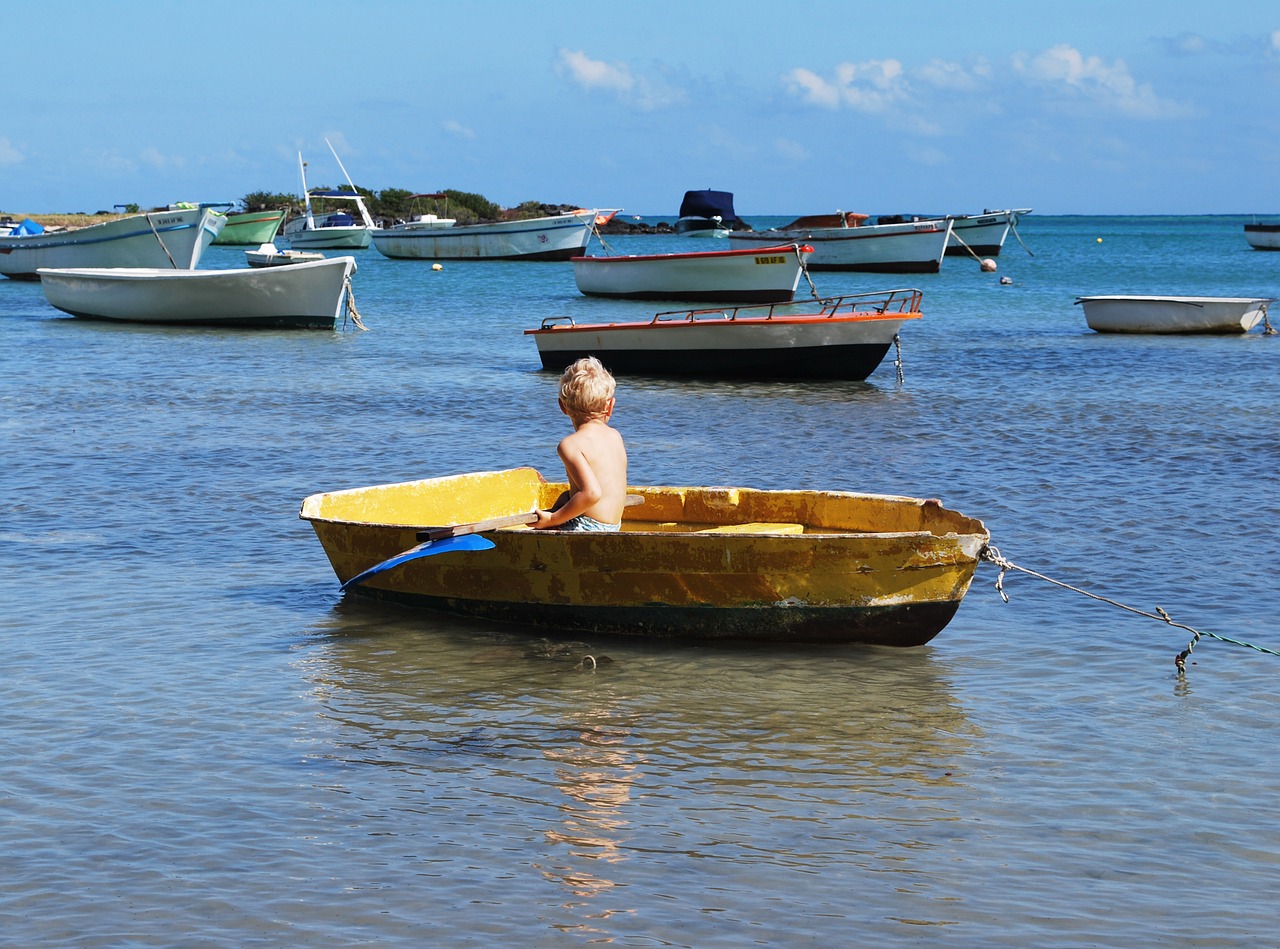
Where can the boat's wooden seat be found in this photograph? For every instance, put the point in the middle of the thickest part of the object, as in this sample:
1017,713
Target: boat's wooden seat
758,527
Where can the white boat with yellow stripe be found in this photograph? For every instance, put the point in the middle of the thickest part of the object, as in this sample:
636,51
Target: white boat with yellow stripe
744,275
690,564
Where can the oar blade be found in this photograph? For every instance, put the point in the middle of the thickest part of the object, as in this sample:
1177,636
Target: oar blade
427,549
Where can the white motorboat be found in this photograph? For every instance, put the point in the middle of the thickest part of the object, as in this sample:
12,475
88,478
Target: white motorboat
174,239
706,214
843,242
1156,314
305,295
742,275
837,338
333,229
551,237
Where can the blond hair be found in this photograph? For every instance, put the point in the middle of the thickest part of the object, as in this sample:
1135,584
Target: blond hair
586,388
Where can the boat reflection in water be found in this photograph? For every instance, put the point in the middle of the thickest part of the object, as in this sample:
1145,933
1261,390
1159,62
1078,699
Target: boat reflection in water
608,775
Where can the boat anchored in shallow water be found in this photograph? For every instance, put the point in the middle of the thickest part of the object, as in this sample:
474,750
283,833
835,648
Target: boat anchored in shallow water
301,296
175,239
835,338
842,241
1263,236
1157,314
743,275
333,230
690,563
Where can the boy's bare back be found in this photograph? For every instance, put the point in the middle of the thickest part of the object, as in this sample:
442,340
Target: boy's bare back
595,463
594,456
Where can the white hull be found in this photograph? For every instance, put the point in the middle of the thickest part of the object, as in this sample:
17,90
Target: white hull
342,237
914,247
1151,314
1263,236
268,256
308,295
982,234
559,237
161,239
836,339
700,227
745,275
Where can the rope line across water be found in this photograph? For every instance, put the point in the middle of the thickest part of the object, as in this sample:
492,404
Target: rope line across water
993,555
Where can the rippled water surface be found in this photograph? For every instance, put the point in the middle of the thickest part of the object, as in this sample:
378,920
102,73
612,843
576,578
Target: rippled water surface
205,744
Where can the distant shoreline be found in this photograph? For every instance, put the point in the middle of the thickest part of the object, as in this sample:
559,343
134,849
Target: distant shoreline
84,220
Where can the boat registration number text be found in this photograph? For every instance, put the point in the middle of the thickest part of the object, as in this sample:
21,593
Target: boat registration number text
772,259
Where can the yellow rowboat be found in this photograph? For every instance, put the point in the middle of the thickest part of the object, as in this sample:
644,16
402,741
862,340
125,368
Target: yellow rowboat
690,563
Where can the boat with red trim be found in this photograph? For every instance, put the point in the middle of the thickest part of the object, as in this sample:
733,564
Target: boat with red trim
842,337
744,275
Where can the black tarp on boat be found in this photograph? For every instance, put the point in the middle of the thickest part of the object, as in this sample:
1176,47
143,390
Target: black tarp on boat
708,204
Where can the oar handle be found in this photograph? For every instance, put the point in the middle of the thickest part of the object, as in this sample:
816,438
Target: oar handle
479,527
496,523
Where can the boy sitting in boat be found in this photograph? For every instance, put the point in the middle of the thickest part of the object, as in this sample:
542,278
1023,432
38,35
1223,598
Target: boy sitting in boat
594,457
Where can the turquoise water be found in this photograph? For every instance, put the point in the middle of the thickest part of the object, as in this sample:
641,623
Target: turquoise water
205,744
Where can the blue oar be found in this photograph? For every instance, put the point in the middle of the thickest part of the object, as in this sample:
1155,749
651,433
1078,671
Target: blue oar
439,540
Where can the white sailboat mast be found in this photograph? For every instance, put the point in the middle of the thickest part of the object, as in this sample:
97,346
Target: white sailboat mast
306,195
364,214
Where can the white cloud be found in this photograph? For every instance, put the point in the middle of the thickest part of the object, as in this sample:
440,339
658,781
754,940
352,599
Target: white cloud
157,159
791,149
1275,41
8,154
1109,85
594,74
955,77
458,130
643,92
872,86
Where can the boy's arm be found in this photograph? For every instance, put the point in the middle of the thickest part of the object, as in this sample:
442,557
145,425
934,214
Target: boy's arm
586,488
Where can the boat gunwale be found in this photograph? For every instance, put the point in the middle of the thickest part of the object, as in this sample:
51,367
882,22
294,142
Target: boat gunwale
1156,298
698,255
812,319
139,274
569,219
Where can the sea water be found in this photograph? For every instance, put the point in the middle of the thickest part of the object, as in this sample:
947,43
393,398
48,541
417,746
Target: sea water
206,744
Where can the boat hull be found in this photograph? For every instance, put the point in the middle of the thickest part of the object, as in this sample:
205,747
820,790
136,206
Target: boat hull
691,564
251,227
300,296
1190,315
558,237
777,348
344,237
912,247
700,227
981,234
1263,236
746,275
161,239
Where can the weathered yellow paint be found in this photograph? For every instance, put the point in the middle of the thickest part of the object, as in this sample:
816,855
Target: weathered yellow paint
755,527
685,547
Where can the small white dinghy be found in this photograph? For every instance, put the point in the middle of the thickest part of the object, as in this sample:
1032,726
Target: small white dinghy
268,255
1153,314
302,296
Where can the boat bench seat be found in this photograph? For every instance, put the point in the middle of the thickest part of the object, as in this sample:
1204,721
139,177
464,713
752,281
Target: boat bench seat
757,527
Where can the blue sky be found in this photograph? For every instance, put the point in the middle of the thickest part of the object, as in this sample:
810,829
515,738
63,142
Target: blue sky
1121,106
